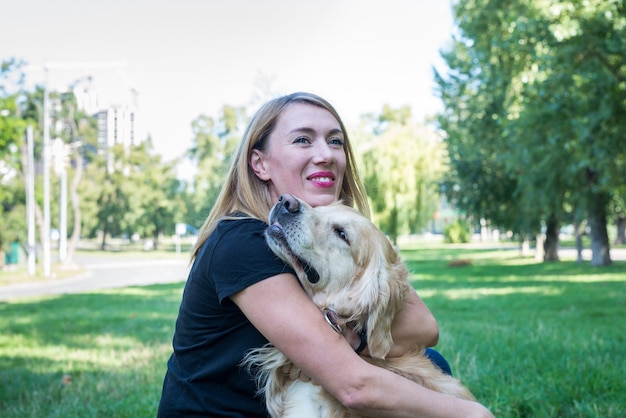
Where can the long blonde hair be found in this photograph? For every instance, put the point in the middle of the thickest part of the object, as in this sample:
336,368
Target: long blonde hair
244,192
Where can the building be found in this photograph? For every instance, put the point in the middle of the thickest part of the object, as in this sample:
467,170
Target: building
114,104
116,125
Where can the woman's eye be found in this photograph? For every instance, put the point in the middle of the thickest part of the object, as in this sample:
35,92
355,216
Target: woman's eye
301,140
342,234
336,141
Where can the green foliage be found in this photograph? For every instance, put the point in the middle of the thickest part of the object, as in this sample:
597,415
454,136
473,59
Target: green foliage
401,163
457,232
214,144
12,131
12,127
534,110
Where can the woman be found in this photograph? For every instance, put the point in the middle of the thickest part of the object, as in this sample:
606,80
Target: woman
240,296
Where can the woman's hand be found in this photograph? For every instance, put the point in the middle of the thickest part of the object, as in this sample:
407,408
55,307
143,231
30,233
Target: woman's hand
413,326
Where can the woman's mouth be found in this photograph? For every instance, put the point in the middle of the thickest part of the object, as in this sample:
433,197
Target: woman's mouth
322,179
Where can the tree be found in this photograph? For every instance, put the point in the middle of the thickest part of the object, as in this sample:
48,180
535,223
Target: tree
12,196
12,152
401,163
547,80
619,213
213,145
155,208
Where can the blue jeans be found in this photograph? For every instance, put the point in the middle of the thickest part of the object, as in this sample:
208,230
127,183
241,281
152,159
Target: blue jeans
438,360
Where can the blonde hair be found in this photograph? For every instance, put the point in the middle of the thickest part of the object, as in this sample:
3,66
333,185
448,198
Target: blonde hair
244,192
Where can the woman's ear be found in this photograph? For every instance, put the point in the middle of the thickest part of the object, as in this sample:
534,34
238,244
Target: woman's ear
257,163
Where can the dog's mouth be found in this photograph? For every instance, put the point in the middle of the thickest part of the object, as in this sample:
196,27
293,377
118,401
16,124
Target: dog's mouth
276,233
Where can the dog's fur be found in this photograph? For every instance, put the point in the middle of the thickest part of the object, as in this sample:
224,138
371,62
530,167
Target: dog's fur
347,265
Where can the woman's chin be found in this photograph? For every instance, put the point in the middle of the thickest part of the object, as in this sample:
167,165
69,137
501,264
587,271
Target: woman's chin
320,200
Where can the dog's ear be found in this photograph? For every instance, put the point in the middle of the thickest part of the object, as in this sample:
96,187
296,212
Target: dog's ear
384,283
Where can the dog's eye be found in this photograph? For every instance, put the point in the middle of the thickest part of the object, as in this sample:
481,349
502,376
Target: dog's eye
342,234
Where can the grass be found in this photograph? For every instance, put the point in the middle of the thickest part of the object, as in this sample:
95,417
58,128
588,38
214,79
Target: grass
530,340
90,355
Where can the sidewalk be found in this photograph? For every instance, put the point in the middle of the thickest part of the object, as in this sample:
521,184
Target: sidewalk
104,273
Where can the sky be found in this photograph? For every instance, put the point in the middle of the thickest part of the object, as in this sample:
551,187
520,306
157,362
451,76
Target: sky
190,57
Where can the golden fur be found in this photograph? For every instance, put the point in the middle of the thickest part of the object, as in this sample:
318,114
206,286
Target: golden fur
347,265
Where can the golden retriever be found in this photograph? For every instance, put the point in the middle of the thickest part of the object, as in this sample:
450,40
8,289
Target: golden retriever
356,277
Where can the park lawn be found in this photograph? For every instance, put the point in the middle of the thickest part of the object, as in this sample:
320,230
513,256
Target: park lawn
530,340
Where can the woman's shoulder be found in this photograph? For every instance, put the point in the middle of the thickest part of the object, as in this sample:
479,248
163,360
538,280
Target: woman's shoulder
237,246
236,235
240,224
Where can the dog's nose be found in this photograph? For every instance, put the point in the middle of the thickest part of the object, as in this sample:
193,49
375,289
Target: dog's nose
289,203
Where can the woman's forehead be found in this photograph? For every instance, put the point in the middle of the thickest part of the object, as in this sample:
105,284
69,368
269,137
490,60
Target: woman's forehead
307,116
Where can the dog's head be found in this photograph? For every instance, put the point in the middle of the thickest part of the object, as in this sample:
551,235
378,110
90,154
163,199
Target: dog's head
343,262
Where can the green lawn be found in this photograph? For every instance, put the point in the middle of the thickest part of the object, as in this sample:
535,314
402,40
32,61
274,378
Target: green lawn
530,340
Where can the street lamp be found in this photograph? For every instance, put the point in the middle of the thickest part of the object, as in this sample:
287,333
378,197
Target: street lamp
30,199
45,239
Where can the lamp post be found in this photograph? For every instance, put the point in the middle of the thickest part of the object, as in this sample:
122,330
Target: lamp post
60,155
45,239
30,199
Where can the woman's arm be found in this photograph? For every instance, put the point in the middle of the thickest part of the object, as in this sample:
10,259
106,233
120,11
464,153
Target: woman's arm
280,310
413,326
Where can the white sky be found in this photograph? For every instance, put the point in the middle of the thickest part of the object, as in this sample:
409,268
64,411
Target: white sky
188,57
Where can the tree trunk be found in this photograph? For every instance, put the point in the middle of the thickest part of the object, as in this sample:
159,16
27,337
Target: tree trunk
393,224
551,247
104,236
600,248
156,239
578,231
539,247
525,246
75,198
621,231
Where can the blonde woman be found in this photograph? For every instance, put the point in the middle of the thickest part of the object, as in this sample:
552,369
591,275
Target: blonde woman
239,295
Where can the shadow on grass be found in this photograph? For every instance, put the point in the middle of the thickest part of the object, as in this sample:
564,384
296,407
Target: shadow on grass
79,319
112,344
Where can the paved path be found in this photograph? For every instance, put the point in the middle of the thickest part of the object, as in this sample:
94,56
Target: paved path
617,254
120,271
104,273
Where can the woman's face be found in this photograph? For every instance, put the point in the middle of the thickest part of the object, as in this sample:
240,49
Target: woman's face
304,156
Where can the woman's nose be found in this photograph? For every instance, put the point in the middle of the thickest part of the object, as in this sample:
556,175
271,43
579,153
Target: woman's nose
323,153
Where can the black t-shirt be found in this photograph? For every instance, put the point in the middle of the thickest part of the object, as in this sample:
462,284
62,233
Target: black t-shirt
204,377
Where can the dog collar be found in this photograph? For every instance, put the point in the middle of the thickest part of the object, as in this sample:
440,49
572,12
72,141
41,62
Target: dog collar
363,344
333,320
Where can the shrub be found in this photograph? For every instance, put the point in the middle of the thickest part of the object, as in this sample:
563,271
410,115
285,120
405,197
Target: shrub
457,232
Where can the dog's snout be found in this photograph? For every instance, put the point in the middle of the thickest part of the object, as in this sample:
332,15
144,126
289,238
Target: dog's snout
289,204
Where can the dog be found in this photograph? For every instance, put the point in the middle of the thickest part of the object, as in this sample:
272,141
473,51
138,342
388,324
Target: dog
355,276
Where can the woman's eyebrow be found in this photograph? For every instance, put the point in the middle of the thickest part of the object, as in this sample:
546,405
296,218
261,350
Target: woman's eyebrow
333,131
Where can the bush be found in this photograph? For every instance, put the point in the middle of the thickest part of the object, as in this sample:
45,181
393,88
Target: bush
457,232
